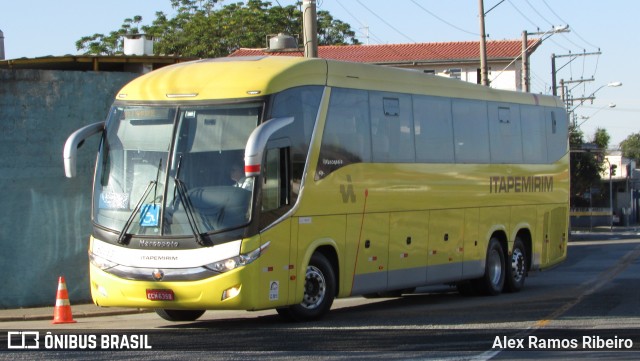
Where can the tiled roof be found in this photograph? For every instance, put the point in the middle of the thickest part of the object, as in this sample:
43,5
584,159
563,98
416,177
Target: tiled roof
415,52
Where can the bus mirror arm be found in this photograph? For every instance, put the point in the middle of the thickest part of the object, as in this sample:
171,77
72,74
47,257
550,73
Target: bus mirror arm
75,140
258,141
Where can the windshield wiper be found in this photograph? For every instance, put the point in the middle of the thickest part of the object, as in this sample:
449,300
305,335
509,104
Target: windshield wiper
122,238
183,196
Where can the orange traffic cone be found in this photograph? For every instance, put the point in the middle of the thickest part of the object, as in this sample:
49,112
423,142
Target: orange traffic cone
62,311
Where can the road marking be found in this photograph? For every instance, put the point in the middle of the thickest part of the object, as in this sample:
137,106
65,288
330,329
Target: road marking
591,287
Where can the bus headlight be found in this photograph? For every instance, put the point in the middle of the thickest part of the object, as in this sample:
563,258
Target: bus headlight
238,261
102,263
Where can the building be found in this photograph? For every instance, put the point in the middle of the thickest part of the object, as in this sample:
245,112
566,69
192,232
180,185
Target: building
624,182
460,60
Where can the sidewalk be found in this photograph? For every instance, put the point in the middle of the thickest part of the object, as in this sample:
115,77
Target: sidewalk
604,232
78,311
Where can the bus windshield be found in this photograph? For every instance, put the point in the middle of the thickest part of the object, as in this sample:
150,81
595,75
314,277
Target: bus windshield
174,170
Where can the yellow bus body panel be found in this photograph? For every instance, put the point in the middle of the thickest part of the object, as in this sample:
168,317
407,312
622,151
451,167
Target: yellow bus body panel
212,79
427,223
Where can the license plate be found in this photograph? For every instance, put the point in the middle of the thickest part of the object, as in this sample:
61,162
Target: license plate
160,295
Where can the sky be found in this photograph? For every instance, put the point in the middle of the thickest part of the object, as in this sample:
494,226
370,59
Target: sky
36,28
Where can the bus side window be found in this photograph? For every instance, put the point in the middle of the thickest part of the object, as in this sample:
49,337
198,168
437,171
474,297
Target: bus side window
275,184
347,135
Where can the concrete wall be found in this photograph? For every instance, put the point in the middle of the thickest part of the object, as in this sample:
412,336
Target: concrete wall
45,217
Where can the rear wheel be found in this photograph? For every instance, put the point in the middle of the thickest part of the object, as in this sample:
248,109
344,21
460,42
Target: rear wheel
179,315
494,272
517,268
319,291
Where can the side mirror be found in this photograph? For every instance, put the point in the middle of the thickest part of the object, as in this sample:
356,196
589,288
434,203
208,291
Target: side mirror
258,141
75,140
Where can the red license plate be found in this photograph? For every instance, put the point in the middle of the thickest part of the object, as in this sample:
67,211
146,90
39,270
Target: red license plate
160,295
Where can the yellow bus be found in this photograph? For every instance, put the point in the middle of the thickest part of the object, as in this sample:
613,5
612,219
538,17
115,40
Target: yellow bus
283,183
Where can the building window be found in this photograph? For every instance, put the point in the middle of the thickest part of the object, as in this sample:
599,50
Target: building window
455,73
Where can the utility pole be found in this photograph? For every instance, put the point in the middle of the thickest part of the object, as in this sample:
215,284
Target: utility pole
554,90
554,71
484,71
525,62
310,26
526,87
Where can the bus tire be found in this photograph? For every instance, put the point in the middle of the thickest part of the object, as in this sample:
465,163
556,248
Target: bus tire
516,268
492,282
319,292
179,315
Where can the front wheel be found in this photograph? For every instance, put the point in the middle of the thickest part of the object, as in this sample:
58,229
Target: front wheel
319,291
179,315
494,272
517,268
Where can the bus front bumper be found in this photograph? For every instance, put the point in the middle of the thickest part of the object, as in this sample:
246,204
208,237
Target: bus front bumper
222,292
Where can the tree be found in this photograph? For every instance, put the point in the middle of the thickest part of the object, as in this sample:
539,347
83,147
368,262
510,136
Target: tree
601,138
631,147
199,30
111,44
585,166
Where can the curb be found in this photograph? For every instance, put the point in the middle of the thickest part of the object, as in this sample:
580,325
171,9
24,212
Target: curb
81,314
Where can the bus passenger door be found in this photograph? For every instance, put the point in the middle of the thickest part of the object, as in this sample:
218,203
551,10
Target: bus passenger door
274,197
445,253
368,242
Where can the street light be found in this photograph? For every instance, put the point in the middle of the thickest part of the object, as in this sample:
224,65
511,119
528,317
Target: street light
525,51
613,84
610,105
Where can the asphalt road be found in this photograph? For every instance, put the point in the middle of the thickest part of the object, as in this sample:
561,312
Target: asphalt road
587,308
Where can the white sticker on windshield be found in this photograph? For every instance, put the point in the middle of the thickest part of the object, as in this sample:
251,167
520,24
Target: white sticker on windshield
112,200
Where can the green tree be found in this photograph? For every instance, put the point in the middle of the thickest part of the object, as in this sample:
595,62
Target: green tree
631,147
601,138
111,44
200,30
585,166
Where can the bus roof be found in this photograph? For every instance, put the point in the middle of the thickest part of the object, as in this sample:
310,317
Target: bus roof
243,77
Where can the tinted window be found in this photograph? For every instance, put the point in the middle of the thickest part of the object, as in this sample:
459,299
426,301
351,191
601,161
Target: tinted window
505,133
534,141
391,127
346,137
433,129
471,131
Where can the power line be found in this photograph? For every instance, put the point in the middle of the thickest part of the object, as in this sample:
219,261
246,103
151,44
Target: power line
534,24
442,20
385,22
539,14
369,33
574,32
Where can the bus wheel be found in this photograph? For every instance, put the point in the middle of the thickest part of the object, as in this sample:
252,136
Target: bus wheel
517,269
319,291
494,272
179,315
